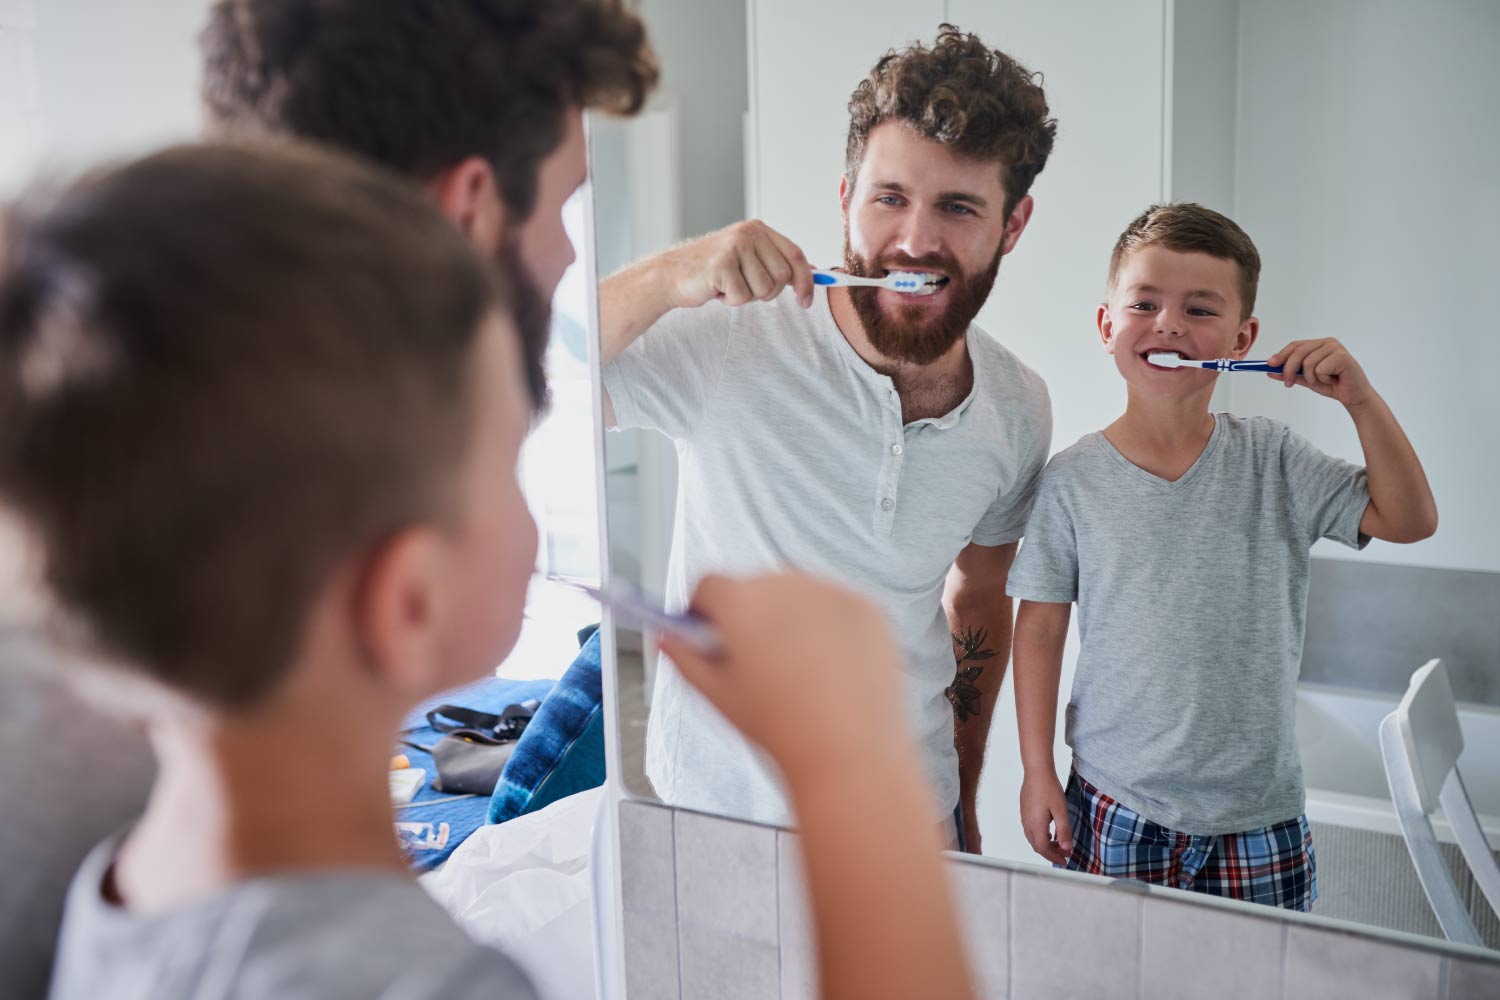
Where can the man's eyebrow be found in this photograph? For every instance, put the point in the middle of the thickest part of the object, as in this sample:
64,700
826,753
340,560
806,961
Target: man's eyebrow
897,187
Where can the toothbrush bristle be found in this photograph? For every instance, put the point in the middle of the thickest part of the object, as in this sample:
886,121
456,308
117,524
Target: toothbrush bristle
910,282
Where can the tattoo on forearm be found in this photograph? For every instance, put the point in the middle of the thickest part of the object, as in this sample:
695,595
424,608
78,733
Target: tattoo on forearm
963,693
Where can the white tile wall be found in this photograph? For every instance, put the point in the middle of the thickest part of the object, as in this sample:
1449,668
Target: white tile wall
717,909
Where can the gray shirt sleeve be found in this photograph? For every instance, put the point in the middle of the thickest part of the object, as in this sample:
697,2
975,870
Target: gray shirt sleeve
1328,495
1046,568
667,378
1005,521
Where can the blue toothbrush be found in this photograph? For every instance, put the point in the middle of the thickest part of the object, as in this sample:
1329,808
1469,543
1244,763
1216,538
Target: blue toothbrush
1215,364
906,282
634,608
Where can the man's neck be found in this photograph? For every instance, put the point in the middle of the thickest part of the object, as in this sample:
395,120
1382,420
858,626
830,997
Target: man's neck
929,390
282,790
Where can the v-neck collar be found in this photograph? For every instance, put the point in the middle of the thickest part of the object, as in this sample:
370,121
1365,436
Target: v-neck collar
1166,485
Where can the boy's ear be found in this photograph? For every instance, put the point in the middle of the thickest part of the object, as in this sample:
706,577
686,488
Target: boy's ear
1244,339
1106,325
399,611
467,194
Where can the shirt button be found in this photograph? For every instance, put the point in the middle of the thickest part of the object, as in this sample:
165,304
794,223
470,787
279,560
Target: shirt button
887,503
896,449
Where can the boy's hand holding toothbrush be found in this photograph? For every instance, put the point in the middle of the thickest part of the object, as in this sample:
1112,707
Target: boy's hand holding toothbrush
1326,367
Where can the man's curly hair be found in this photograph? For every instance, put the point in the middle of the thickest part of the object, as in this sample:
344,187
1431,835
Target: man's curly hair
418,85
976,100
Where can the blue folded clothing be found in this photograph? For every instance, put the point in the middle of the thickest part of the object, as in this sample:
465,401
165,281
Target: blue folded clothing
562,750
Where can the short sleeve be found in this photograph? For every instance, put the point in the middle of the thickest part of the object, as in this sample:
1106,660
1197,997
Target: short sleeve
1046,568
666,379
1328,495
1005,521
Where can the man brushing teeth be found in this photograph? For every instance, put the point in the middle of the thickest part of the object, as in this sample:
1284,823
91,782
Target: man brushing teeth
862,433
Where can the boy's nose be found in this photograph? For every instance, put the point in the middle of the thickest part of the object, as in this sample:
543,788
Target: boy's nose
1168,322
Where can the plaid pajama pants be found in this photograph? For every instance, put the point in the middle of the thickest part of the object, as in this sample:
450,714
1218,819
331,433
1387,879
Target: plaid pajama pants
1273,865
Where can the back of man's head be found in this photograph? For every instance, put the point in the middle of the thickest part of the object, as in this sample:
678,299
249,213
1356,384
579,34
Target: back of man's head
224,371
419,85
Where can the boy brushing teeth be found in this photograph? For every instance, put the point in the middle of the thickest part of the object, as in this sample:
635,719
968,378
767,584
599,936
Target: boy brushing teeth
1184,537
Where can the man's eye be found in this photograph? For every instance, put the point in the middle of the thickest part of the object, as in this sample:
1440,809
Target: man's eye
888,199
957,209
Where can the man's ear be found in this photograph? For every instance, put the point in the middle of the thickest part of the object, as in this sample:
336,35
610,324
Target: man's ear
1244,338
1016,224
845,189
399,611
1106,325
467,194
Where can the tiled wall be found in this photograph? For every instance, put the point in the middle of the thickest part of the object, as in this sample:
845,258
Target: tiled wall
1369,625
715,908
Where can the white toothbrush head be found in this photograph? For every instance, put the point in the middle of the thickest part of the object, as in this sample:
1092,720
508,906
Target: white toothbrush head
1170,361
911,282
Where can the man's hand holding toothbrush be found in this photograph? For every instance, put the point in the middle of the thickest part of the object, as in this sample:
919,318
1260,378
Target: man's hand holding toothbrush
746,262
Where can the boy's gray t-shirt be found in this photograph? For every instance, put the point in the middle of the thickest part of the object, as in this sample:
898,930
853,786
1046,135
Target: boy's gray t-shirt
1192,602
327,935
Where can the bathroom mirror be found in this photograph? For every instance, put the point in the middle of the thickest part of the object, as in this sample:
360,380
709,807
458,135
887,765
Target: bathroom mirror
1350,140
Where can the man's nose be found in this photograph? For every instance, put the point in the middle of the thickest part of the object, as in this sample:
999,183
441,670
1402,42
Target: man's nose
919,237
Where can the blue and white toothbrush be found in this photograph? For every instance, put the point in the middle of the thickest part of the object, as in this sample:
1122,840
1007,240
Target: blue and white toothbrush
1215,364
906,282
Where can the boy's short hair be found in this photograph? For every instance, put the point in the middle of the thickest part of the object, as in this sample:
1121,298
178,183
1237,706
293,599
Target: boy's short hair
976,100
1187,227
223,371
420,85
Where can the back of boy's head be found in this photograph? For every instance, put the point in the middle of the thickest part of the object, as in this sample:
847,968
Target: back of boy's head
420,85
223,372
1187,227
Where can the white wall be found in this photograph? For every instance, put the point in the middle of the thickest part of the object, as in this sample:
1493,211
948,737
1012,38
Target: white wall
1366,173
105,79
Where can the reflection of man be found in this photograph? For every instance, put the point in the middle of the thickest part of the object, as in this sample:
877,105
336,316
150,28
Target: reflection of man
873,437
479,100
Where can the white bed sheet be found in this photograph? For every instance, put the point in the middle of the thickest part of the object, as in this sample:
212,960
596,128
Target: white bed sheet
524,887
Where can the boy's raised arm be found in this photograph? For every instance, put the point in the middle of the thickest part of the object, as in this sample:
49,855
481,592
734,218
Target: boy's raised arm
1041,632
1402,508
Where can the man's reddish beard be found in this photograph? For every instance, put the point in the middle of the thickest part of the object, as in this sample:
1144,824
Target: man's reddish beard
913,335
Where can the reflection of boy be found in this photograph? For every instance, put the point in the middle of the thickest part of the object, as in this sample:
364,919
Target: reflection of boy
1184,537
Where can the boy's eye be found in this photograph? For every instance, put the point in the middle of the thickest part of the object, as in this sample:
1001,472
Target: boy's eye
1200,311
1144,306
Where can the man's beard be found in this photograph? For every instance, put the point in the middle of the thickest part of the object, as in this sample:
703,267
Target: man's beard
914,335
533,318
